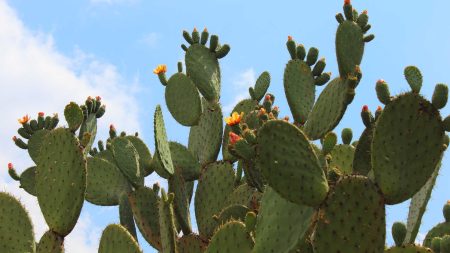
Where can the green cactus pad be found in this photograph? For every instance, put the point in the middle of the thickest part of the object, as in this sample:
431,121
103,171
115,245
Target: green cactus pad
349,47
418,206
261,86
144,204
439,230
167,224
233,212
61,180
145,157
409,128
105,182
280,223
183,100
28,180
35,143
184,160
299,88
414,78
205,138
191,244
73,115
244,195
89,126
177,186
352,220
126,215
16,232
342,158
214,186
161,143
127,159
245,106
289,163
116,239
362,162
156,165
328,109
203,68
231,237
50,243
107,155
409,249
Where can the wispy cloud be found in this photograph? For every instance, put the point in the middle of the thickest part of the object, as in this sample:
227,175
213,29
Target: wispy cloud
241,84
35,76
150,40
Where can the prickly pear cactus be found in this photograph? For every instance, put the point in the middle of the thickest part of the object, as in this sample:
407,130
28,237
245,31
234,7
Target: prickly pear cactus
280,185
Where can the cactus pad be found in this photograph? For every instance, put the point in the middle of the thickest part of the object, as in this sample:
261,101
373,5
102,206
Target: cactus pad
184,160
362,162
116,239
206,137
191,244
144,204
231,237
145,157
127,159
16,232
61,180
50,243
328,109
161,143
261,86
183,100
177,186
299,88
28,180
203,68
214,186
409,128
35,142
105,182
289,163
342,158
167,223
409,249
233,212
280,223
352,220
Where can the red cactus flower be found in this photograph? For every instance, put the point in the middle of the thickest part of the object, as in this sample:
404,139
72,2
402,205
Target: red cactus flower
234,138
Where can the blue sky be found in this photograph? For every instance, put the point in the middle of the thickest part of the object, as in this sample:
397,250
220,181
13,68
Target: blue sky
58,51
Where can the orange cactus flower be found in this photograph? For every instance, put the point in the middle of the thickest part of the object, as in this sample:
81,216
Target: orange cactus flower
162,68
24,119
234,138
261,111
234,119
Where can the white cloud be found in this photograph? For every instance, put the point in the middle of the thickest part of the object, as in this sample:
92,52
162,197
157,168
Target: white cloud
241,84
35,77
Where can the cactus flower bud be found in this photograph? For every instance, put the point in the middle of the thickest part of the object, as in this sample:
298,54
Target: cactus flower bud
365,12
98,98
234,138
289,38
286,118
14,138
379,108
365,108
41,114
234,119
10,166
347,2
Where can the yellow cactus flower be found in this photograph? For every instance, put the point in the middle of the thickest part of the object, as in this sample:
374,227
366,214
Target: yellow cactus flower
162,68
234,119
24,119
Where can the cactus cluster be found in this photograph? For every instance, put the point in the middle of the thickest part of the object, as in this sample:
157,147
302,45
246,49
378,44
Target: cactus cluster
280,186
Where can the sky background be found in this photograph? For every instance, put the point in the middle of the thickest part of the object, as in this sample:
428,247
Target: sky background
54,52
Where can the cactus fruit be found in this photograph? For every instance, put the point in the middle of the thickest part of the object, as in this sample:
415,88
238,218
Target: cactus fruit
276,188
